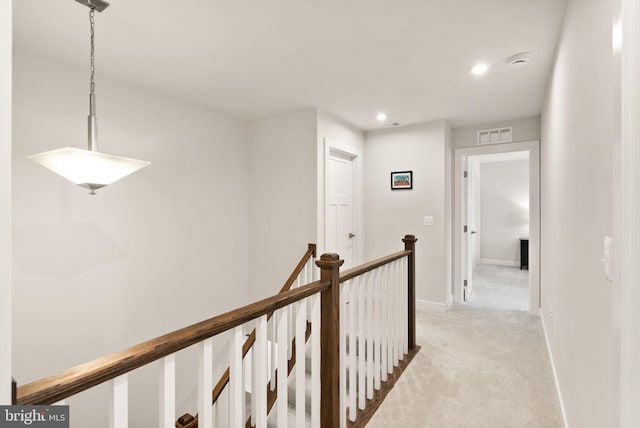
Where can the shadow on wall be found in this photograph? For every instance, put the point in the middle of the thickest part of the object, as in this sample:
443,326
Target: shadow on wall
45,249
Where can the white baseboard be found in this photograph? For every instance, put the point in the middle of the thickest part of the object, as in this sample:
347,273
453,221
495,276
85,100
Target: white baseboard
499,262
425,305
555,374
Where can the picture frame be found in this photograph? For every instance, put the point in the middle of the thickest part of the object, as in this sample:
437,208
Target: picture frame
402,180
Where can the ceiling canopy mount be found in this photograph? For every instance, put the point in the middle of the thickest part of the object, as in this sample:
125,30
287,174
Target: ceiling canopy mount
98,5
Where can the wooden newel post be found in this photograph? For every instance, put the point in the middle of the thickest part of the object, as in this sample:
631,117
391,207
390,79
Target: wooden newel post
329,265
410,245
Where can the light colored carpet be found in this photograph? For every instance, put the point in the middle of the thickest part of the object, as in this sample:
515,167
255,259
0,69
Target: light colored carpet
500,287
478,367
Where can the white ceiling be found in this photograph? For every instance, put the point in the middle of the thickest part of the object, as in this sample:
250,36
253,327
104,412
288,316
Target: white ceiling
353,58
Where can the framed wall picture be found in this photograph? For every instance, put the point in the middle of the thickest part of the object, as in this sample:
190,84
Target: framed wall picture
402,180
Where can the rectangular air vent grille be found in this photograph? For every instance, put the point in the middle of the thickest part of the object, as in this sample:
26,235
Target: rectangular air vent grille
495,136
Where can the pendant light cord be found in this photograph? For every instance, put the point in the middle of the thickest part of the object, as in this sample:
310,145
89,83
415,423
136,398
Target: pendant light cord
93,120
93,57
92,85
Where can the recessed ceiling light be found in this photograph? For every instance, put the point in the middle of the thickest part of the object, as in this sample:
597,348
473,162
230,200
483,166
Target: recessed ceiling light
479,69
381,117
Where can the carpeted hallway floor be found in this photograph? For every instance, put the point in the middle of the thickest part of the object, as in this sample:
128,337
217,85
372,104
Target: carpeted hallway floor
478,367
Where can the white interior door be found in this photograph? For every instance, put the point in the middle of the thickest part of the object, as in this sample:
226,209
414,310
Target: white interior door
469,216
340,237
475,210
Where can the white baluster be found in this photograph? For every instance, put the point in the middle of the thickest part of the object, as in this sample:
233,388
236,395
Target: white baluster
310,266
260,374
369,334
383,323
215,411
301,332
283,338
354,304
401,302
236,388
205,384
273,353
342,334
392,315
315,361
119,402
405,309
362,282
376,329
305,273
290,331
401,319
308,279
388,301
167,393
315,273
254,380
396,312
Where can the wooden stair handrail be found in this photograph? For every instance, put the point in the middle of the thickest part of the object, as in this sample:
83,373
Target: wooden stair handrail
374,264
80,378
311,252
224,379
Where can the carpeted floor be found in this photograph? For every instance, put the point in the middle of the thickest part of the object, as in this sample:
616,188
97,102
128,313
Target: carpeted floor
500,287
478,367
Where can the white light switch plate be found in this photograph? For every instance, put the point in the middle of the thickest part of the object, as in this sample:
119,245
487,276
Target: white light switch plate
428,220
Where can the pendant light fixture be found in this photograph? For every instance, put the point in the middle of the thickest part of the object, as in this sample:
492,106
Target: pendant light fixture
89,168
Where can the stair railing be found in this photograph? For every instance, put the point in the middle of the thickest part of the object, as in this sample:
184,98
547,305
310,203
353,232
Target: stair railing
302,274
326,303
377,331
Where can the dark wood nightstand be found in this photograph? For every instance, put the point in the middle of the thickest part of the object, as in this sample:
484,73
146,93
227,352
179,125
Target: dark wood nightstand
524,253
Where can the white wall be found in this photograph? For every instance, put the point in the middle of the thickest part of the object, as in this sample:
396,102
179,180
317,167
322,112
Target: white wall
286,164
283,199
334,132
159,250
5,202
578,304
389,215
524,129
505,210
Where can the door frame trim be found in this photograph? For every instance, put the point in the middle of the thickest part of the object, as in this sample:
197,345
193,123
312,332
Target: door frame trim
533,147
331,146
626,209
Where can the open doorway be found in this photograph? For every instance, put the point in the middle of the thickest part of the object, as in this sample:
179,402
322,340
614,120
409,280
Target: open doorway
497,227
497,189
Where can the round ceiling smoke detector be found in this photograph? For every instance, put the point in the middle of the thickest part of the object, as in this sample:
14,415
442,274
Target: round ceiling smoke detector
518,60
